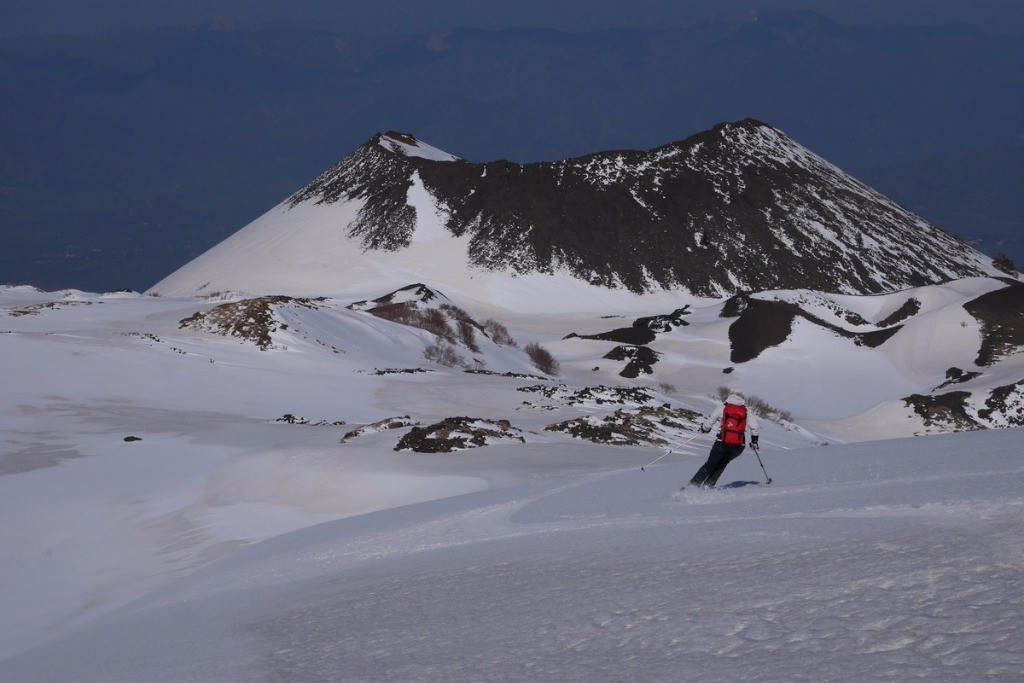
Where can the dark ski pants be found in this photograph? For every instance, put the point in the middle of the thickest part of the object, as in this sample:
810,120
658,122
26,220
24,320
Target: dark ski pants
720,456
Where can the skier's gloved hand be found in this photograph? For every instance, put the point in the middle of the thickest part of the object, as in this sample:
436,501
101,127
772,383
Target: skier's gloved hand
704,430
753,440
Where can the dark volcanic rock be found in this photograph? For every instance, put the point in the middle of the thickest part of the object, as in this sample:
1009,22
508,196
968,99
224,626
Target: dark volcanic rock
418,292
641,360
1001,314
458,433
643,331
957,376
741,206
599,395
1004,406
909,309
637,336
664,323
642,426
944,410
761,325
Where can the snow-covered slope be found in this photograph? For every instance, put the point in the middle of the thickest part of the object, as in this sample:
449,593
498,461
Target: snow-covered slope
740,207
142,438
871,562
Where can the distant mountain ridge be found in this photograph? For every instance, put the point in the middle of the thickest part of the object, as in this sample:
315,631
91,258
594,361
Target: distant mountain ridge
741,207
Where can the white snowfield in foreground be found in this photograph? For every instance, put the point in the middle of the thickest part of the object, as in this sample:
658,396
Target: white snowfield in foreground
891,560
225,545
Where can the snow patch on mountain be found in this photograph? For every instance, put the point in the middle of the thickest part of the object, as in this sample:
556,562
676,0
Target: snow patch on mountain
429,224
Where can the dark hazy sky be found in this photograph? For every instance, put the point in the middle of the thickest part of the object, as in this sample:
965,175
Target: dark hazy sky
416,16
124,156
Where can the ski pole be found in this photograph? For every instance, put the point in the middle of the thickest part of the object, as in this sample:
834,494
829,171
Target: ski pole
768,480
644,468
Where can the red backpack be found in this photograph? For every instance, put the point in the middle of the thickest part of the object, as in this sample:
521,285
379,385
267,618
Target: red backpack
734,425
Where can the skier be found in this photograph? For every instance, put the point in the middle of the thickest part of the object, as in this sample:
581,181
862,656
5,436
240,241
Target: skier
731,439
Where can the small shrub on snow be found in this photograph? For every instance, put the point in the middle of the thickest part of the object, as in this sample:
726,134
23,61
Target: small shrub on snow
465,325
769,412
542,358
436,321
442,353
433,320
498,333
467,335
403,313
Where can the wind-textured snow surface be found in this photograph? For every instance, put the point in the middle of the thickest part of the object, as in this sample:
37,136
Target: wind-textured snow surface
884,561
